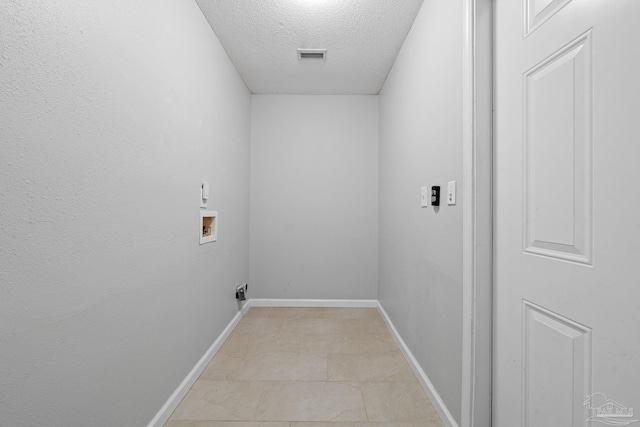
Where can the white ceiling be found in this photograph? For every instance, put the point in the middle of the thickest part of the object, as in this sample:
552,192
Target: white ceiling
362,38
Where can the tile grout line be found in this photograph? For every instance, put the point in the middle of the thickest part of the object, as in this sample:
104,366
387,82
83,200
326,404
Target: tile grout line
364,402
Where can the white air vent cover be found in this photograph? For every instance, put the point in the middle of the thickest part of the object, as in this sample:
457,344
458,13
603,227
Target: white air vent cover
312,53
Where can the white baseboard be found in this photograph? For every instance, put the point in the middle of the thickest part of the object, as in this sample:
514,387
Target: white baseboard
340,303
426,384
174,400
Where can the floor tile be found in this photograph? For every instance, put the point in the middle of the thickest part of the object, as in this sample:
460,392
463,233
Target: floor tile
220,400
352,313
285,312
244,344
397,401
313,326
348,344
224,367
284,367
191,423
369,367
369,424
299,312
364,326
267,367
312,401
257,325
258,312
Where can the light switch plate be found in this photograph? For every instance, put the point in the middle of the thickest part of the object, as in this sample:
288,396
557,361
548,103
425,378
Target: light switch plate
204,194
425,195
451,193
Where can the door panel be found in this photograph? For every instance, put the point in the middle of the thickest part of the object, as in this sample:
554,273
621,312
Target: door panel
537,12
566,211
557,157
556,367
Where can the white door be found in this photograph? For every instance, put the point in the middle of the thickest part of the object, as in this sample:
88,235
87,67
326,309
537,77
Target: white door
567,213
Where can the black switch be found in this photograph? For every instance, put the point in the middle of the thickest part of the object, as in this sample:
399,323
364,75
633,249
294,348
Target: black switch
435,195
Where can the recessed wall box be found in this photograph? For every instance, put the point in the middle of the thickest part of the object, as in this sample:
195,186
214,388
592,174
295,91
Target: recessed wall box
208,226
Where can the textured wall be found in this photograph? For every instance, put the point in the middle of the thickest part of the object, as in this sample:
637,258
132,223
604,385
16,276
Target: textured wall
111,114
314,196
420,145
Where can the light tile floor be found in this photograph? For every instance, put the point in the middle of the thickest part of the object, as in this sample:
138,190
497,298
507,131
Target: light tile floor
307,367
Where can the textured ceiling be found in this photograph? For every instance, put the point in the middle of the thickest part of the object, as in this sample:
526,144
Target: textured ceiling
362,38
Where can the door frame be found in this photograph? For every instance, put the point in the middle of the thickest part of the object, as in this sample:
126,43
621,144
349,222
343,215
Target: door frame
477,153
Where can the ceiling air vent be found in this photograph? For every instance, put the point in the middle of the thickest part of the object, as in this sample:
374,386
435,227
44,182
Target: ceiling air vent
312,53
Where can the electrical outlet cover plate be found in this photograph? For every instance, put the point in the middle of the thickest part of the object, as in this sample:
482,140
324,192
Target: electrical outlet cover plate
451,193
424,197
204,194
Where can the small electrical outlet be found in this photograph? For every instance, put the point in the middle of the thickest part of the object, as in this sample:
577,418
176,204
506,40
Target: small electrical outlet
435,195
241,292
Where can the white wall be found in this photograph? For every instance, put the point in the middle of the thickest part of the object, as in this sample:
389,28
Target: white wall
420,145
314,196
111,114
